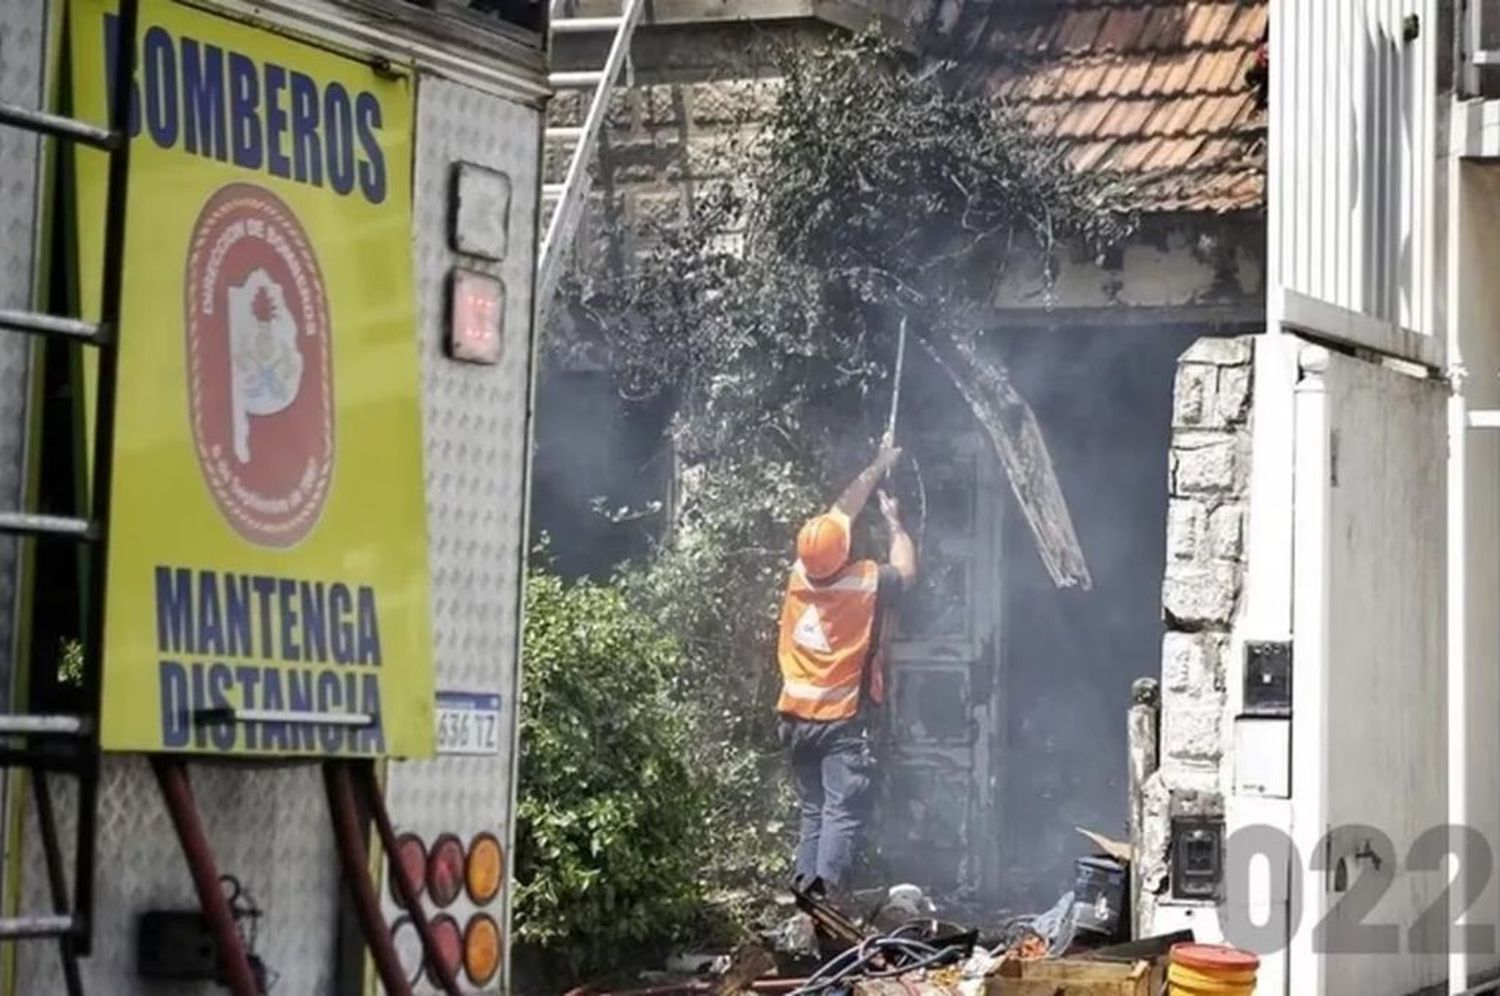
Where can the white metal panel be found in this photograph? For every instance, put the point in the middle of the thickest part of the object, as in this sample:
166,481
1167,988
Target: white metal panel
1369,719
477,430
1350,185
1474,523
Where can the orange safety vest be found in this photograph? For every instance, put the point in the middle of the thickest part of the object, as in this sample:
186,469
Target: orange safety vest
827,640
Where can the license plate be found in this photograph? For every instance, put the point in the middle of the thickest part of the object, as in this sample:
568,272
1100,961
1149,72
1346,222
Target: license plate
468,723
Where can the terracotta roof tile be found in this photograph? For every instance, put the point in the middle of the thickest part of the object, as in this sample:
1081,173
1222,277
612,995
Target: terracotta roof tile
1250,25
1163,27
1121,29
1127,118
1079,30
1207,22
1154,89
1177,71
1090,155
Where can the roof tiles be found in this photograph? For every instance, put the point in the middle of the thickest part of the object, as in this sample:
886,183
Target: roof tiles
1154,89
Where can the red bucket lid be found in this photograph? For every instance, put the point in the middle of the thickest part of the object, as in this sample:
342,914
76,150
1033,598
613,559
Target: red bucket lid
1211,956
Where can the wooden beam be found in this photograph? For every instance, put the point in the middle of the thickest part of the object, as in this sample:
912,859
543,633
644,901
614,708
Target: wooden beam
1016,437
668,13
1238,318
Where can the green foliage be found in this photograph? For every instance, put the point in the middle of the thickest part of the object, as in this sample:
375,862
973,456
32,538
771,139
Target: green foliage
872,190
70,663
610,826
896,189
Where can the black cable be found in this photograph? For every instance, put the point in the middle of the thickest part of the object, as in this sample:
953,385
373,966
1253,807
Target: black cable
919,955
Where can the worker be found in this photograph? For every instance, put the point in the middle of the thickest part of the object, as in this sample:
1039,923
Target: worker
833,621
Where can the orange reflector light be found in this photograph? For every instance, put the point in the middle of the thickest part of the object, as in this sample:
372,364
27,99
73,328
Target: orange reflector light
485,872
449,943
445,869
481,949
411,855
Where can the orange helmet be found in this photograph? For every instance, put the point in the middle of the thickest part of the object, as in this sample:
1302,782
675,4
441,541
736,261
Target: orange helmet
823,545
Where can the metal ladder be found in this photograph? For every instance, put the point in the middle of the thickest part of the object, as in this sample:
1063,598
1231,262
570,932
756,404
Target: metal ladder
568,198
70,744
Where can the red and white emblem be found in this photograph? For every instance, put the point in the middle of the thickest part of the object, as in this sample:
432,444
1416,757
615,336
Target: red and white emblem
259,365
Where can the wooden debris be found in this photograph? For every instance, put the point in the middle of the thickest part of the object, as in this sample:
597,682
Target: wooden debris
1017,440
748,963
1119,850
1070,978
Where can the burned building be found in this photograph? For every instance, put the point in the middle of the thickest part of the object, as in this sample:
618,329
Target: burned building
1012,676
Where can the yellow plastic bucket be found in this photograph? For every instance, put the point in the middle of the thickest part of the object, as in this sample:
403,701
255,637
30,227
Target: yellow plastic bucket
1211,970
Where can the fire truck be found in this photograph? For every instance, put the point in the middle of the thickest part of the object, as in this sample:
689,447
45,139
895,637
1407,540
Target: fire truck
267,350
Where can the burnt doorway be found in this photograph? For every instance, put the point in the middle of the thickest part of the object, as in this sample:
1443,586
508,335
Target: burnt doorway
943,773
1009,695
1103,396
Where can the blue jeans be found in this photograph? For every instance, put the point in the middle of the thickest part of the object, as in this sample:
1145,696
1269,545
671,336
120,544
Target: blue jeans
833,768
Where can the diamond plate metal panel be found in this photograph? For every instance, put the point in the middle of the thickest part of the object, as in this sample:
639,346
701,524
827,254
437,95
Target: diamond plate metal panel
23,45
269,828
477,437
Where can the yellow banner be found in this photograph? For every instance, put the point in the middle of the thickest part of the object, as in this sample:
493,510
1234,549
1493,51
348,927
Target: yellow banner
268,556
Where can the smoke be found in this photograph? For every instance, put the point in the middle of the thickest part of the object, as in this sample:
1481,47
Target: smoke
1104,397
601,475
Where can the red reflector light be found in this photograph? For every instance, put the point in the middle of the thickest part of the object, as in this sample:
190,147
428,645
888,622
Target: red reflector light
478,305
411,855
450,943
445,870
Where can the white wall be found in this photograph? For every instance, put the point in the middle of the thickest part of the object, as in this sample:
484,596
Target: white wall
1475,312
1370,675
1352,155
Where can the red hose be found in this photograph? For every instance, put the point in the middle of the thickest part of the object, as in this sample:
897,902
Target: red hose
177,792
410,896
349,836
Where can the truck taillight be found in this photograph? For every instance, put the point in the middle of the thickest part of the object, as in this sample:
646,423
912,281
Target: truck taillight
450,942
477,319
484,873
411,855
445,870
481,949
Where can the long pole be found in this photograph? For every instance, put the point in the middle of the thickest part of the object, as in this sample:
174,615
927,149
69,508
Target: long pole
890,426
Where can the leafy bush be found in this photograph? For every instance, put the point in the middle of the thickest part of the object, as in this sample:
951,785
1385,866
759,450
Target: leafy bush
611,817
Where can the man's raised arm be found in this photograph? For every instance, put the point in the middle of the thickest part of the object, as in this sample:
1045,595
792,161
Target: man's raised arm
852,501
903,550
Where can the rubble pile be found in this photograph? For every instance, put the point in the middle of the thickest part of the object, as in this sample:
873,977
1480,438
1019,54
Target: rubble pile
896,942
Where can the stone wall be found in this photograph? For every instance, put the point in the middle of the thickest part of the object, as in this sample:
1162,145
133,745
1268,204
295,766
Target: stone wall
1208,482
664,142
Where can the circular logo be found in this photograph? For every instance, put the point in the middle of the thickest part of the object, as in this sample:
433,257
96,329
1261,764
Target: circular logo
259,364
